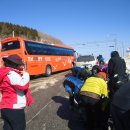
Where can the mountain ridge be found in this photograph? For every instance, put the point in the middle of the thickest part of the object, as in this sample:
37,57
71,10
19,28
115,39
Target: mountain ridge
9,29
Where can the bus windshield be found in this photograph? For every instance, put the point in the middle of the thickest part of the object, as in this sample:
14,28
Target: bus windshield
10,46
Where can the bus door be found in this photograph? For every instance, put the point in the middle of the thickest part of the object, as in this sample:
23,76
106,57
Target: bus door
34,64
34,61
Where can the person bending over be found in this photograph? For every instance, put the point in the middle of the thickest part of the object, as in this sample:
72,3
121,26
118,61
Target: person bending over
94,95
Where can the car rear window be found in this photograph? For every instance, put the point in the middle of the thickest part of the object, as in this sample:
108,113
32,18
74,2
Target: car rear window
85,58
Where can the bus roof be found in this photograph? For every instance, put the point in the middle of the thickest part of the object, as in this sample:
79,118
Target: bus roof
63,45
20,38
10,39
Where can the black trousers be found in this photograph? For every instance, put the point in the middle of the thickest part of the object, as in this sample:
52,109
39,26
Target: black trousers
14,119
73,97
95,117
121,118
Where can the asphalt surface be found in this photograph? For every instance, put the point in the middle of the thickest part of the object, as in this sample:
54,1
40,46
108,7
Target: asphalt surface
50,110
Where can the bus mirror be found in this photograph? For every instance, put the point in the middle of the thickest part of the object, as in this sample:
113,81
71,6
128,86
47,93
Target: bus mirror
25,52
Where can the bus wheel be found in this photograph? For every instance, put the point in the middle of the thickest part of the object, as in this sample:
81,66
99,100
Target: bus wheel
48,70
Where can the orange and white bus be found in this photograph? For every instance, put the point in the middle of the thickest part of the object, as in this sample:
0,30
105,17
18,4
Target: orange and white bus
39,58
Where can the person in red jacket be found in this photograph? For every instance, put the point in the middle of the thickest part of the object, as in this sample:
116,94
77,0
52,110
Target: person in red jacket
14,87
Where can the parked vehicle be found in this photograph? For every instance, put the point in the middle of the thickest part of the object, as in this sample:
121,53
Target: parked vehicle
39,58
86,61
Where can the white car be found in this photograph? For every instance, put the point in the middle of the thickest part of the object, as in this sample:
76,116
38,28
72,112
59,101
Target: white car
86,60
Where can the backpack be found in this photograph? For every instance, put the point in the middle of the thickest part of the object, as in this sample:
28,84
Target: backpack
83,74
74,83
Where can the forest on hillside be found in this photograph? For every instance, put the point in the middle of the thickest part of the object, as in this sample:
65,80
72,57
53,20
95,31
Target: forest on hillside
9,29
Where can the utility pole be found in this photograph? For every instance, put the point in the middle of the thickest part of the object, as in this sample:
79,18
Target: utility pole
115,41
13,33
123,48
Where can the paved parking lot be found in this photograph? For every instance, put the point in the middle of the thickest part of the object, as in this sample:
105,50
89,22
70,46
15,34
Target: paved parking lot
51,109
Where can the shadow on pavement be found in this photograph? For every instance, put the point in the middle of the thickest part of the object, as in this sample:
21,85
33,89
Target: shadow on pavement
73,117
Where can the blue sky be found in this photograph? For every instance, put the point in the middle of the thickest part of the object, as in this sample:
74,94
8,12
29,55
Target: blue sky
90,26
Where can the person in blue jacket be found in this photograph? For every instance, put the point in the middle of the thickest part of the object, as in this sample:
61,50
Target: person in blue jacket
73,84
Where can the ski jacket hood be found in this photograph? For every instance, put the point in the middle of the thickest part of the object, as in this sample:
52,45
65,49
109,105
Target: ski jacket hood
114,54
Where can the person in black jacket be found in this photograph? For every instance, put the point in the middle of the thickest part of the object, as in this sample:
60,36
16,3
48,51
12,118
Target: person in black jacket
116,71
120,107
